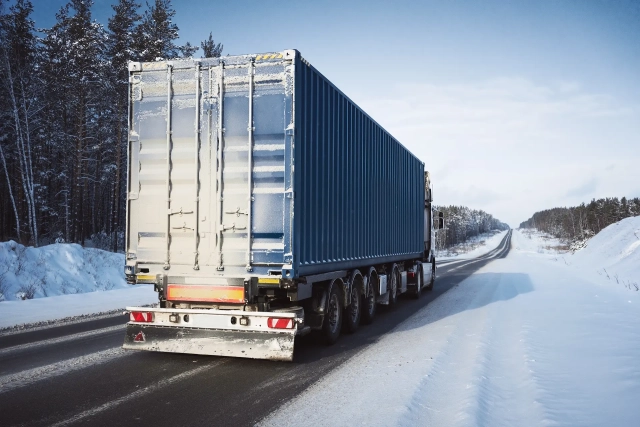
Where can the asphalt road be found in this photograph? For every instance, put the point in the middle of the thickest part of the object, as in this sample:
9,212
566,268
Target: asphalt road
77,374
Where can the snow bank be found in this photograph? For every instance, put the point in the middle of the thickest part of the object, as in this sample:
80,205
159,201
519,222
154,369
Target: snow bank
475,247
611,256
64,280
614,253
58,269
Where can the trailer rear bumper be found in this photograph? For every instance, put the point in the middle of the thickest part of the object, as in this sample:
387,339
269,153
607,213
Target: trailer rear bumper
214,332
234,343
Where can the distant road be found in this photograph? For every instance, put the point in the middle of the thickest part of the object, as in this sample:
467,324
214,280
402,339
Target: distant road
78,374
497,252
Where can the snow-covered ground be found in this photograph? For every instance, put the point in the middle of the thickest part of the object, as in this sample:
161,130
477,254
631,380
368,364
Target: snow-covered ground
527,340
614,254
475,247
64,280
537,242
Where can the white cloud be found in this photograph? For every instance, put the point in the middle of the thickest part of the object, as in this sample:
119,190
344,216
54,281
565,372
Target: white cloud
512,147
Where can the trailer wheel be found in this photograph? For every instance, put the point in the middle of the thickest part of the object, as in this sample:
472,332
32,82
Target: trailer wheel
353,313
333,317
433,276
369,304
393,286
419,282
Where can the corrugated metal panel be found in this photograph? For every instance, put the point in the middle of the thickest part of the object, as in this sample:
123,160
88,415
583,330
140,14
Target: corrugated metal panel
359,193
329,188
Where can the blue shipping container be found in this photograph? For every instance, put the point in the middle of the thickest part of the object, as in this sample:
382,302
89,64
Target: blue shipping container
359,194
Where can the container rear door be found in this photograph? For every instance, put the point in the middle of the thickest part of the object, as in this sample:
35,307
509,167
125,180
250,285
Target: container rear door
169,180
256,110
207,164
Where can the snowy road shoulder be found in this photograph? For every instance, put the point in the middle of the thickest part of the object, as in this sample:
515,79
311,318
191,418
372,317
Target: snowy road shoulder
524,341
66,306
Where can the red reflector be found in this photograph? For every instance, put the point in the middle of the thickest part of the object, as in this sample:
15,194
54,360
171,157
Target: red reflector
139,337
141,316
276,323
411,274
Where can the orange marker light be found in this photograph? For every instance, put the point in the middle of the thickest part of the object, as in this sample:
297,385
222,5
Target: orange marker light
234,294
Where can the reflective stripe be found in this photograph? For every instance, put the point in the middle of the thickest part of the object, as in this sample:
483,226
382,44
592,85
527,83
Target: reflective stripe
280,323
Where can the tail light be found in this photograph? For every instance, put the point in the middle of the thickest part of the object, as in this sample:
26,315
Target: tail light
411,274
141,316
280,323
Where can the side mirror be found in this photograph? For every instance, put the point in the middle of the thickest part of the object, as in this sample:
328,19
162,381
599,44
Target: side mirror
440,220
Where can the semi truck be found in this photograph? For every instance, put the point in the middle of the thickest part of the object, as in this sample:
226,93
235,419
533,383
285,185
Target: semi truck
263,204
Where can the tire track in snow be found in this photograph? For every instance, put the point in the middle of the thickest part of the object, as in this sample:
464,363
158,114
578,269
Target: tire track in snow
507,390
461,355
482,376
455,365
25,378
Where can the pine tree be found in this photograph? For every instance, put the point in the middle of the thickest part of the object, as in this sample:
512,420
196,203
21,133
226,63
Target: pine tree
63,117
74,57
121,49
121,46
211,49
581,222
187,50
157,33
463,223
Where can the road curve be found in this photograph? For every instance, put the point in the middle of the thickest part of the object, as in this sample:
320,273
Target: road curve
78,374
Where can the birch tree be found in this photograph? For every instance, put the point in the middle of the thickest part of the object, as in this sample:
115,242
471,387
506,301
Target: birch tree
17,53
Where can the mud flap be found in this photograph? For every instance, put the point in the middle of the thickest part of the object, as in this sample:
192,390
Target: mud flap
213,342
383,299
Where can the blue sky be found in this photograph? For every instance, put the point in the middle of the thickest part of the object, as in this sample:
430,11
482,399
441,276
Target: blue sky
515,106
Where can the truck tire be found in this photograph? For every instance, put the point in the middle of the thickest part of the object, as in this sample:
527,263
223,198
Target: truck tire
433,276
393,286
419,282
333,317
353,312
369,303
